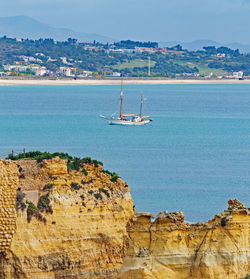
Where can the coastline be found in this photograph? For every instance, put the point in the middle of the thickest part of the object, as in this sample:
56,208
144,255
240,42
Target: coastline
8,82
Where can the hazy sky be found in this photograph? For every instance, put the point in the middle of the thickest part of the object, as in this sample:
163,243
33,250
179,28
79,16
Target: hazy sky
160,20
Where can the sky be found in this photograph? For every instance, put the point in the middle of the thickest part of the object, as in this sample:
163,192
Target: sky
224,21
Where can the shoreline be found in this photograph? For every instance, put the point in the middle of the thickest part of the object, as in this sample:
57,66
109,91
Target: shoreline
8,82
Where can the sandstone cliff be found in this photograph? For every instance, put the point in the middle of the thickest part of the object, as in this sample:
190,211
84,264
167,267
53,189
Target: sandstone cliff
171,248
56,222
79,230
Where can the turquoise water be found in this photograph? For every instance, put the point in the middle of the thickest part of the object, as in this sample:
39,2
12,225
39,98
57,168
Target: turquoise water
193,157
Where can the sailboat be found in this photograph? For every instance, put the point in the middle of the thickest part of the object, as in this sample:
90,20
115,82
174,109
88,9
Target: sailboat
128,119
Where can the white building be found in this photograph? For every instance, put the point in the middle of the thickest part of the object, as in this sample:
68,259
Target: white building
40,71
9,67
67,71
238,74
64,60
116,74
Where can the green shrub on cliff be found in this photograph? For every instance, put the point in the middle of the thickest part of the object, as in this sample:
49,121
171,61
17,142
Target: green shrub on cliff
114,175
74,163
44,204
20,200
98,196
114,178
75,186
106,192
39,156
85,171
33,211
108,172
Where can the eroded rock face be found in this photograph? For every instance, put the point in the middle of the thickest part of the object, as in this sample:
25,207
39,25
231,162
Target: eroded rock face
56,223
171,248
81,234
8,187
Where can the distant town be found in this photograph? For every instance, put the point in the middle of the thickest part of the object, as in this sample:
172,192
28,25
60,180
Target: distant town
72,59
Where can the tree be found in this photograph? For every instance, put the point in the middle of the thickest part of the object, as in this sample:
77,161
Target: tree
72,41
210,49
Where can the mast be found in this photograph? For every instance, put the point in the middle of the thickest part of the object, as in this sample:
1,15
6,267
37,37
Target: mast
149,66
121,99
141,105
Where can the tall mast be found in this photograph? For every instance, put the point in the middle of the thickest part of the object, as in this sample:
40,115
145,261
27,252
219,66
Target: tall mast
121,98
141,105
149,66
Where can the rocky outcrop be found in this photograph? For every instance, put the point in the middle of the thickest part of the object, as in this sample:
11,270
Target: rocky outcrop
59,219
171,248
8,187
77,229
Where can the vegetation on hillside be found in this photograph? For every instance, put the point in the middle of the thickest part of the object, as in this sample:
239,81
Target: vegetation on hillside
103,59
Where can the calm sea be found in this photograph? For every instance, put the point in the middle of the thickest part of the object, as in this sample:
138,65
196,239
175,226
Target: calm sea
193,157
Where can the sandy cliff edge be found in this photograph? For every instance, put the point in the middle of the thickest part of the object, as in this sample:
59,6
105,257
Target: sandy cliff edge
61,223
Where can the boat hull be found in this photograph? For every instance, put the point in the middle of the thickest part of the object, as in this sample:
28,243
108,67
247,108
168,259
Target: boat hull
128,123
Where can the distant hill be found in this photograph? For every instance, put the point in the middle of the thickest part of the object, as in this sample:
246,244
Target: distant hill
199,44
27,27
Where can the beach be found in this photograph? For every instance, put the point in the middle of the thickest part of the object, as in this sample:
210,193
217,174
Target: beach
4,82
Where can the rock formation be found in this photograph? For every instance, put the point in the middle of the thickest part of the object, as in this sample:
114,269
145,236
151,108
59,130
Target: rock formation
170,248
56,222
80,229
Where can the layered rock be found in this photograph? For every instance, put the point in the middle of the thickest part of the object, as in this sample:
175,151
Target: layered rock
171,248
62,223
81,233
8,187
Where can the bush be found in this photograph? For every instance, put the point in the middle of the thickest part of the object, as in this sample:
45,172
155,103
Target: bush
83,182
84,171
96,163
91,192
108,172
106,192
20,200
39,156
224,221
98,196
86,160
44,204
114,178
76,164
114,175
48,186
75,186
33,211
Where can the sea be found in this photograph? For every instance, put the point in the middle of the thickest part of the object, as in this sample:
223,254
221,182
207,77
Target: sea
193,157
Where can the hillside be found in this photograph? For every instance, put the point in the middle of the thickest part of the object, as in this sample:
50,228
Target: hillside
46,57
27,27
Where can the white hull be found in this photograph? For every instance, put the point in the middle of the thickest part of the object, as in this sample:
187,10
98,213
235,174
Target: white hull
128,119
128,122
